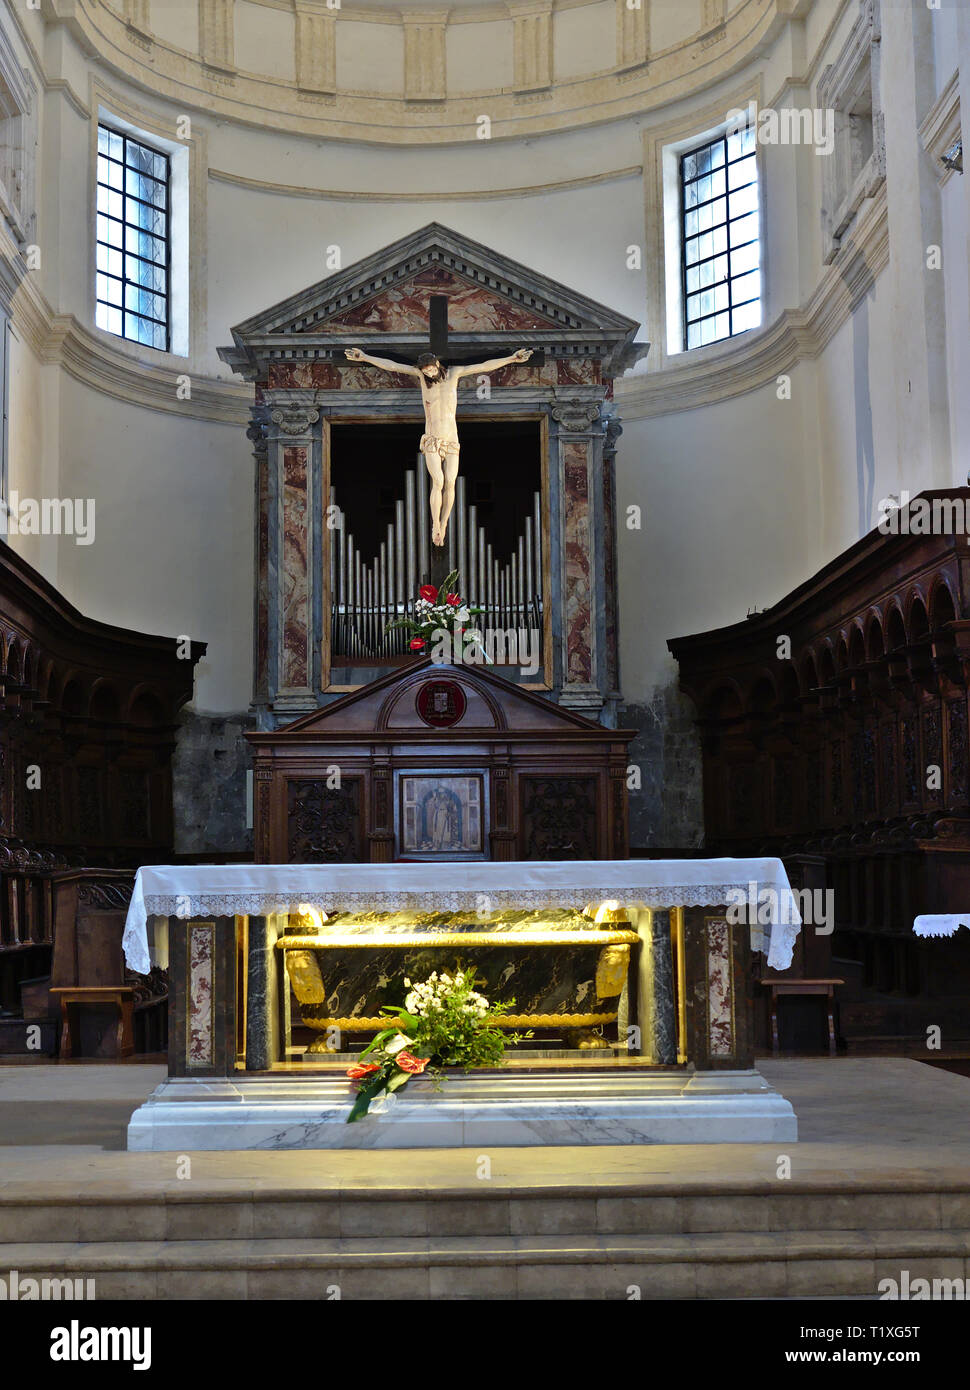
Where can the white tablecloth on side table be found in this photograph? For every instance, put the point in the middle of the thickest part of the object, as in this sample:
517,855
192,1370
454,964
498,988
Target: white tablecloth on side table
940,924
225,890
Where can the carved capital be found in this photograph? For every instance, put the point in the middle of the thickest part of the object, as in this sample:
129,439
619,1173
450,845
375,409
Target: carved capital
576,416
295,420
256,433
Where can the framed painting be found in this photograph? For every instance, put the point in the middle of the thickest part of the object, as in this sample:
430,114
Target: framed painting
441,816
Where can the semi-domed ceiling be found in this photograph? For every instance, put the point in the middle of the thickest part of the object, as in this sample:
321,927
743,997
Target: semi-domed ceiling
396,71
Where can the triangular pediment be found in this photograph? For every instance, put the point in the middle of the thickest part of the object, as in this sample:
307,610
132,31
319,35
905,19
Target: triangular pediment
403,307
388,705
387,297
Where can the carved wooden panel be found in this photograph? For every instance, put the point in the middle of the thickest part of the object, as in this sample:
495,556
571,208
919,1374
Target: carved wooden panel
558,817
324,822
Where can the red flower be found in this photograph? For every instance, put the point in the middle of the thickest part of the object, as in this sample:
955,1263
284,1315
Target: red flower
429,592
362,1069
408,1062
454,600
417,644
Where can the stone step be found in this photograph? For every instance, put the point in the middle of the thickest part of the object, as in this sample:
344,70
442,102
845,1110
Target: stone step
795,1264
485,1210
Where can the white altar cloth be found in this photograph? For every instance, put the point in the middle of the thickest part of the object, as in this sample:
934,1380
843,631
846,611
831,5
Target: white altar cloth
224,890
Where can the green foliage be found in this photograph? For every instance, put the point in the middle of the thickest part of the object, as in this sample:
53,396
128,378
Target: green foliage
447,1022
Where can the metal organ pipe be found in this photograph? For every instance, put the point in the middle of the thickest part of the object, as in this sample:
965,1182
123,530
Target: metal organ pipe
399,579
366,596
457,547
424,552
471,578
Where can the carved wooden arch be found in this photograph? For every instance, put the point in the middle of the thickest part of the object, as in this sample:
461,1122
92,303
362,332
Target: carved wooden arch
763,677
150,694
719,687
916,603
45,680
895,620
74,678
14,666
857,644
789,684
941,586
873,629
827,669
808,661
104,689
400,692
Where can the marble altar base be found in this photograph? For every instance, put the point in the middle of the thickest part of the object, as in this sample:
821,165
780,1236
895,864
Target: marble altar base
594,1106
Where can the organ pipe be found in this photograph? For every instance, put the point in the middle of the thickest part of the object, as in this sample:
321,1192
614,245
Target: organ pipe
367,593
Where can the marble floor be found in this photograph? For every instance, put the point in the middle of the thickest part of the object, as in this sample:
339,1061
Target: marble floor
62,1128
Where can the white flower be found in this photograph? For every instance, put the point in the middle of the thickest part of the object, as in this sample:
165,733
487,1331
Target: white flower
397,1044
462,615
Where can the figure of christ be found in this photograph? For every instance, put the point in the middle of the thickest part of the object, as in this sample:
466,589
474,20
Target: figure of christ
439,443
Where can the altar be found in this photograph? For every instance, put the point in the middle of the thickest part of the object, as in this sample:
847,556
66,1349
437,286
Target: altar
634,977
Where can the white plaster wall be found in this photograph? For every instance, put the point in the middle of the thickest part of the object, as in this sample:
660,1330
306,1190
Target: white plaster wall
264,40
956,269
730,511
370,57
177,23
584,40
672,21
173,549
243,280
479,56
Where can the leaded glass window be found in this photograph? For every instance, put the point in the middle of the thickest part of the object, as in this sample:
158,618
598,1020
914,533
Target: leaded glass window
132,272
722,245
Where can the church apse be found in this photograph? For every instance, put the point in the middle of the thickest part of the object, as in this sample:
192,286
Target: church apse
344,538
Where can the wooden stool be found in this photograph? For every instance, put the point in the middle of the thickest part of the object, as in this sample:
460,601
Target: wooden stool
123,996
825,988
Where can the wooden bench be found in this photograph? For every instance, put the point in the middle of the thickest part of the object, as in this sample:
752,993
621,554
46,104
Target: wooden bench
71,996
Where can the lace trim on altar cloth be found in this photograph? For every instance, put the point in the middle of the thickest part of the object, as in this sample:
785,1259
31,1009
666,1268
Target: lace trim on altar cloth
779,937
940,924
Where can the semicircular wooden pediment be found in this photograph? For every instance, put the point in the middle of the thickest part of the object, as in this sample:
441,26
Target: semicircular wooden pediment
481,709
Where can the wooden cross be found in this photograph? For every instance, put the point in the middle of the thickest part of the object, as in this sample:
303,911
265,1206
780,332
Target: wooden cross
438,340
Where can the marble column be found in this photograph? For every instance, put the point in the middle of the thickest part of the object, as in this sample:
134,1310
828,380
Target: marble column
267,1024
256,433
657,1013
202,997
580,445
295,517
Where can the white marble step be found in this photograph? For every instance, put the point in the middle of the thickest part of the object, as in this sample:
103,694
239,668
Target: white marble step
507,1109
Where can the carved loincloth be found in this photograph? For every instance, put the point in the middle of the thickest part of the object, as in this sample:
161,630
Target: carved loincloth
434,444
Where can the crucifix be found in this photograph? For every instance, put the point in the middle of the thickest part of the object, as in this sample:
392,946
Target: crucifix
439,395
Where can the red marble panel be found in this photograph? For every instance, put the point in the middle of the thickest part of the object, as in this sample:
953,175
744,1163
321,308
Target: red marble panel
293,569
578,371
404,308
545,375
320,375
609,574
577,550
262,572
364,378
720,1003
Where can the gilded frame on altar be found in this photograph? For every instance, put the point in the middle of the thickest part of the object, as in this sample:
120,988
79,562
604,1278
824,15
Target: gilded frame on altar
441,815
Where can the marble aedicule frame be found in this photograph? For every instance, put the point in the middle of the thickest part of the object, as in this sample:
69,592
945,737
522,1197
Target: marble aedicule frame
294,353
468,410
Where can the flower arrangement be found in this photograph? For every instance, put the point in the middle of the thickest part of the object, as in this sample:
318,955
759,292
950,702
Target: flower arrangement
441,616
444,1021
